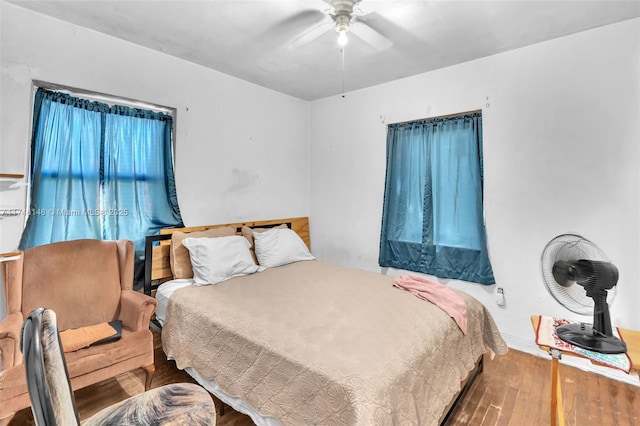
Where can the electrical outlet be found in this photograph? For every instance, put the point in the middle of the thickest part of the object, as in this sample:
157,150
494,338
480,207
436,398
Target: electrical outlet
500,296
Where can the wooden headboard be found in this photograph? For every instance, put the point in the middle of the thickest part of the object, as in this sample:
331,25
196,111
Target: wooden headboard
157,266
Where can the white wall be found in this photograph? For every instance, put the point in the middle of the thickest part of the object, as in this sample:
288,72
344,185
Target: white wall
561,131
241,150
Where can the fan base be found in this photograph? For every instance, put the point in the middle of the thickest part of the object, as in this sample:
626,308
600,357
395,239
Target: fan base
586,337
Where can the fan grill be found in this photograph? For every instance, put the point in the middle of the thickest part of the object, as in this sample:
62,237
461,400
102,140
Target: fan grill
570,247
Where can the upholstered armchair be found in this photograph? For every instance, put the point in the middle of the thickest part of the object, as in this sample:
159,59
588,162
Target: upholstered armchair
86,282
52,401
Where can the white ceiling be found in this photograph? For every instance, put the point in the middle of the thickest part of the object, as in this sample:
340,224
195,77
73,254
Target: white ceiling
278,44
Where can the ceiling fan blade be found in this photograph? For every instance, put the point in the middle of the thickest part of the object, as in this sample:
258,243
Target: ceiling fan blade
298,18
370,36
359,10
312,34
303,18
294,24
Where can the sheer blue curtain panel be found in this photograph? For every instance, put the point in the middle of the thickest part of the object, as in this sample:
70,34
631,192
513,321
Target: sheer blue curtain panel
65,169
138,165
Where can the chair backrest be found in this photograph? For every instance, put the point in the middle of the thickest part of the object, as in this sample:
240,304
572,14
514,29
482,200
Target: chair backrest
52,401
81,280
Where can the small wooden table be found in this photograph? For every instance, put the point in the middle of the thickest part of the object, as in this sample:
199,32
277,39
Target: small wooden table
631,338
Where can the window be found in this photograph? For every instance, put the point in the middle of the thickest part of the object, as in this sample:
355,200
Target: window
99,171
432,219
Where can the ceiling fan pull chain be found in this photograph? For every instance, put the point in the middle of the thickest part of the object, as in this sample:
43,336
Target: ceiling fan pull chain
342,53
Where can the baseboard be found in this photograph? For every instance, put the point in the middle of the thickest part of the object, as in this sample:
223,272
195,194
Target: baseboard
529,346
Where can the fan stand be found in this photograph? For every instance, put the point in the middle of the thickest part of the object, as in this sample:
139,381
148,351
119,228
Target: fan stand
598,338
587,337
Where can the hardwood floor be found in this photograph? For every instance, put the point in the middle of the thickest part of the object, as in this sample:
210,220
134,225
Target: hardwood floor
514,389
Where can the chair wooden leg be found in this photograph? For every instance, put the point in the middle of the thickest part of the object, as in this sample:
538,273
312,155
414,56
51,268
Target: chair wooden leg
150,371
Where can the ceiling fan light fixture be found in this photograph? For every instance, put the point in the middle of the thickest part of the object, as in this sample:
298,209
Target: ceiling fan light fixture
342,39
342,28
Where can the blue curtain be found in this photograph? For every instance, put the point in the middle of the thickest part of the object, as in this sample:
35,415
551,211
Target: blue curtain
99,172
65,169
432,219
139,189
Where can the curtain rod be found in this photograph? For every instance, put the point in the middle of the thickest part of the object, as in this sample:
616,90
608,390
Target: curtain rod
103,97
457,114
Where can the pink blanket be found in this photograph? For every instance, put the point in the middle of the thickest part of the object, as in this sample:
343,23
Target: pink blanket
438,294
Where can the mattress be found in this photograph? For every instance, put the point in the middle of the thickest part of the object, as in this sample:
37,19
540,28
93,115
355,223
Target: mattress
316,343
164,292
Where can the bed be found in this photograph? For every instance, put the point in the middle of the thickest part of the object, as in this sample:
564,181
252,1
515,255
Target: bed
310,342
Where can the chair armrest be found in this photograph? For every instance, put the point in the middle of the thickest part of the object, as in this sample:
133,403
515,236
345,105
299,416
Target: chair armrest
10,330
136,309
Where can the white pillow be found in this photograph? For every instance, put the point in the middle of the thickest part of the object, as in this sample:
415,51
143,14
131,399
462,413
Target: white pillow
277,247
214,260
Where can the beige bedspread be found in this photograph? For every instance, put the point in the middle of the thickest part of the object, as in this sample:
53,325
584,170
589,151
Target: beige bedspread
313,343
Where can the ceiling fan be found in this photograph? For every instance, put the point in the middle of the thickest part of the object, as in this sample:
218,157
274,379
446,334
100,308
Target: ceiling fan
344,16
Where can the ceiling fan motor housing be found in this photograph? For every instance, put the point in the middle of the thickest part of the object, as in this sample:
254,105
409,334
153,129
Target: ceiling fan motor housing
343,7
342,13
342,23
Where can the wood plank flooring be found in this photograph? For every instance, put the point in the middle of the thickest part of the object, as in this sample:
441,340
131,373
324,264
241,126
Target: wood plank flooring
513,390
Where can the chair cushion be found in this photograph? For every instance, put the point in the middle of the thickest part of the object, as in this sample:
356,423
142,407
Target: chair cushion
78,338
93,358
